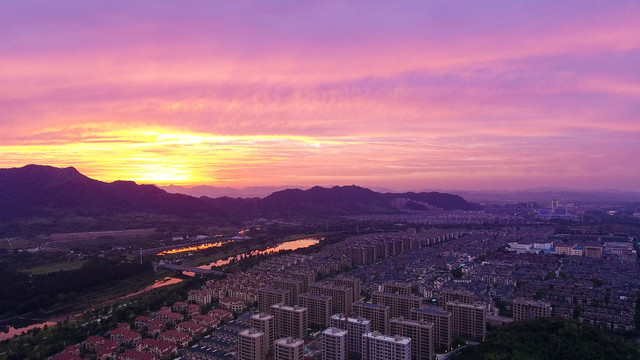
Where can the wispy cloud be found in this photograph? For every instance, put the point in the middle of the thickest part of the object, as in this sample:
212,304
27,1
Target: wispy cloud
417,94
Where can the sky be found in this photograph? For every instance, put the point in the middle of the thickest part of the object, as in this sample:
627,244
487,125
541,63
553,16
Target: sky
406,95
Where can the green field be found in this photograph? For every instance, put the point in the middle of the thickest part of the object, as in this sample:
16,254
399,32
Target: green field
65,266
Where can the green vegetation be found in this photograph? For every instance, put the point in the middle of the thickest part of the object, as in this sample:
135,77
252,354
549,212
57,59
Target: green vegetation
65,266
40,343
23,292
457,273
551,338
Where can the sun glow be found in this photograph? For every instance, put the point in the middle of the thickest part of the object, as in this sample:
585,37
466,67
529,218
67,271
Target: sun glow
156,155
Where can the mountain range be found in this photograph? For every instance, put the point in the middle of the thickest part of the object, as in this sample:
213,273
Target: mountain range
47,199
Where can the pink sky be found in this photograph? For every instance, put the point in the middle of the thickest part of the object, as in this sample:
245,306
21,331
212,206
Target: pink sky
404,95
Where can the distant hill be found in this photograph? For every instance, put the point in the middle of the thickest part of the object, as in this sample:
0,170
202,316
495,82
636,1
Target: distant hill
246,192
47,198
216,192
36,190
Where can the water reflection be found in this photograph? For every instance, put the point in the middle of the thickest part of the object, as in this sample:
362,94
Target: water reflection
287,245
12,331
157,284
192,248
18,331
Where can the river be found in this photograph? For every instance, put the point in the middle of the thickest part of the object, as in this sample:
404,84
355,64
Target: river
287,245
39,323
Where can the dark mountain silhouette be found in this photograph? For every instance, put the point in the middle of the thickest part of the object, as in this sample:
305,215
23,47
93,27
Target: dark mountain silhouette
36,190
350,200
50,193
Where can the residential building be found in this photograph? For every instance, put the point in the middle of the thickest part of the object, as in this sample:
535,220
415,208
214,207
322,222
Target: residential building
158,348
125,337
290,321
251,345
292,287
200,297
469,320
306,278
463,296
265,323
442,326
355,328
178,338
376,346
289,348
342,296
399,305
593,251
351,282
376,313
524,309
400,288
232,304
270,296
334,344
319,308
421,334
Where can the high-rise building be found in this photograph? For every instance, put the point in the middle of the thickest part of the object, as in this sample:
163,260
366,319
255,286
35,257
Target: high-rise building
524,309
251,345
288,348
351,282
376,313
442,326
469,320
306,277
355,328
270,296
290,321
376,346
292,286
341,296
334,344
420,333
264,322
399,305
318,308
463,296
400,288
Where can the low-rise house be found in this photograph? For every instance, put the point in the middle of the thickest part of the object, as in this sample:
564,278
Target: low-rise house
125,337
207,321
222,314
168,317
193,310
105,354
179,306
178,338
94,343
141,322
193,329
135,355
158,348
200,297
233,304
66,356
72,349
155,327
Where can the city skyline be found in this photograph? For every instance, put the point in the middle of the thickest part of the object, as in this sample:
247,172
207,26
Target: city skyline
435,95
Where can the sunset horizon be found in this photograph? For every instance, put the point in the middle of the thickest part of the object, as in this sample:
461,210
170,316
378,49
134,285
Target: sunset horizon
407,97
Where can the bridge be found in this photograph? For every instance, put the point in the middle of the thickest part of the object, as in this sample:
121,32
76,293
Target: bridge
196,270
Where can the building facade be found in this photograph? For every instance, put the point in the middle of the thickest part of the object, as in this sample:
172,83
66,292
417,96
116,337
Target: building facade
376,346
334,344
